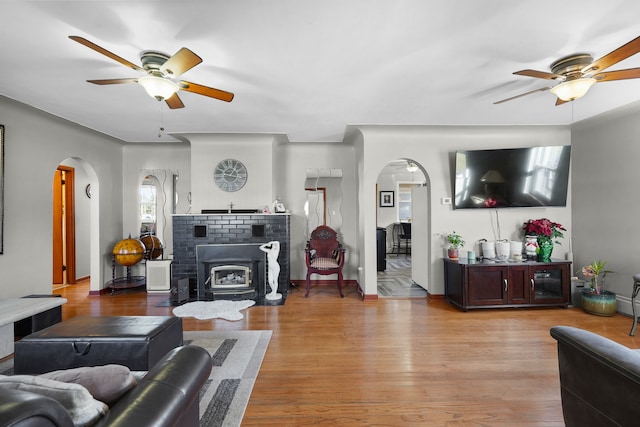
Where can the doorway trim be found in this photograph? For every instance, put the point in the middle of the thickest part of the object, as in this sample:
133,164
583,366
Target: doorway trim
64,230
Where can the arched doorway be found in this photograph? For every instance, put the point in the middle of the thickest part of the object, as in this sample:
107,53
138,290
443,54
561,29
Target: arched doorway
402,216
74,226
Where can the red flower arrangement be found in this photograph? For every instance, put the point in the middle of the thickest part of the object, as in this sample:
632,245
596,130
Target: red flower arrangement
545,229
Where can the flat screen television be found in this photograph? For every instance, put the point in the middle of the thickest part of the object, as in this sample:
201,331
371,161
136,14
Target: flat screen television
510,178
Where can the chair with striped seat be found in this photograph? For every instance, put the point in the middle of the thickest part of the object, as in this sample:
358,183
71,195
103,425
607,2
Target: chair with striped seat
324,255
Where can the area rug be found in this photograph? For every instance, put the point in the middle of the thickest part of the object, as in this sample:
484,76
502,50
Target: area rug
219,309
395,281
236,359
399,289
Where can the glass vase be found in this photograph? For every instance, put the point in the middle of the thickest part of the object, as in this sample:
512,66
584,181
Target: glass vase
544,251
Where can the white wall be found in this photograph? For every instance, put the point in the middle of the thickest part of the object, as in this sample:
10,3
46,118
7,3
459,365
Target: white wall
35,144
387,215
255,151
161,160
606,206
432,147
293,159
82,218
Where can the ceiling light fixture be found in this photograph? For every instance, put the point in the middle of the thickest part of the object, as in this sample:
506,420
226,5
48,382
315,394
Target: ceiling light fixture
412,167
573,89
159,88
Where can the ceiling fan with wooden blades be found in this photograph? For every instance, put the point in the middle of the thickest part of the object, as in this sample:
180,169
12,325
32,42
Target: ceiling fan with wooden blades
160,70
578,72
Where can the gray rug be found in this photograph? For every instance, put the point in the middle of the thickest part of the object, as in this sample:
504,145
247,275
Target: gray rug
397,288
236,359
396,282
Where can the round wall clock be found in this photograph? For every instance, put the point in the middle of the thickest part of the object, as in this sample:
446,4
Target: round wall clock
230,175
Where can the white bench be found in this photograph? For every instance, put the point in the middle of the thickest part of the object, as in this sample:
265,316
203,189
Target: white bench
15,309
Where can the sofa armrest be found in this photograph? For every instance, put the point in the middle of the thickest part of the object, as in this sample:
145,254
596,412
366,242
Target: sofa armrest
25,409
167,395
599,379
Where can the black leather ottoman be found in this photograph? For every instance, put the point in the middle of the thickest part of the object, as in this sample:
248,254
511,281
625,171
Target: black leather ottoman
137,342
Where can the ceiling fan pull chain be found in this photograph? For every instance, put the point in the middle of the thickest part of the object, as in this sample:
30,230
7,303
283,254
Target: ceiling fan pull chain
161,129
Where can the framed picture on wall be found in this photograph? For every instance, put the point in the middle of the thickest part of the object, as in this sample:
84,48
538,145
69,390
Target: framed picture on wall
386,199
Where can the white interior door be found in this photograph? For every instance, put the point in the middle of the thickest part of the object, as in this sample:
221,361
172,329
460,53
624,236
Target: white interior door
420,236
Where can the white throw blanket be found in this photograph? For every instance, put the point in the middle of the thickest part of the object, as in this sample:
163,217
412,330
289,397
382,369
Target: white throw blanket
223,309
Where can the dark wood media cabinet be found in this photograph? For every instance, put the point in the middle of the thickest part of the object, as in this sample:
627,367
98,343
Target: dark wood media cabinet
488,284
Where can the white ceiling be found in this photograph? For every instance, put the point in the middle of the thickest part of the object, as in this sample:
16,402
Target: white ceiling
307,69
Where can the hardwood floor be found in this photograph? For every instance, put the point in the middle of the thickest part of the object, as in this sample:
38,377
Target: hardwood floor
394,362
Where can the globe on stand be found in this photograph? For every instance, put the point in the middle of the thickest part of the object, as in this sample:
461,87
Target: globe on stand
153,246
127,252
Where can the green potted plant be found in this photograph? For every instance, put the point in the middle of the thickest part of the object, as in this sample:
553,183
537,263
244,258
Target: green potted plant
455,243
595,299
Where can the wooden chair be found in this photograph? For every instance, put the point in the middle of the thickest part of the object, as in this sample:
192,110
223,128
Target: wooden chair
405,235
324,255
401,232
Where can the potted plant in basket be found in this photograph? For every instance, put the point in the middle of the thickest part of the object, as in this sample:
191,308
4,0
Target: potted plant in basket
547,233
455,243
596,300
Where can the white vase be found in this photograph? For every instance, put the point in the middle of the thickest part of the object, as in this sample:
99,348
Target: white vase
488,250
515,250
502,250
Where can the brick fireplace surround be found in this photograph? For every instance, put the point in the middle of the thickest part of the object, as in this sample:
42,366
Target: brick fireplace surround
190,231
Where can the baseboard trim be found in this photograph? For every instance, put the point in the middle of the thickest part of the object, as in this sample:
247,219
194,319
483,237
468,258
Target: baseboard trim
103,291
302,283
624,305
370,297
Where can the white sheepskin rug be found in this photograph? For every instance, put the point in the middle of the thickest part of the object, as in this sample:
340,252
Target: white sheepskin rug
219,309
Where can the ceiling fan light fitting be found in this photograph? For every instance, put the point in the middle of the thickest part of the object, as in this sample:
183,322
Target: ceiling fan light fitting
159,88
412,167
573,89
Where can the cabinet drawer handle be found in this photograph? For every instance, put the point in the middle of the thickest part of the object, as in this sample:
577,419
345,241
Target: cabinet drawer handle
506,285
533,285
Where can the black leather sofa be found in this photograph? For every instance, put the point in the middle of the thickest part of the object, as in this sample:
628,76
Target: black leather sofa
167,396
599,379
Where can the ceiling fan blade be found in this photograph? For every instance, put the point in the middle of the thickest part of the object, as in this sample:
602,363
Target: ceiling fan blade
611,58
542,89
560,102
539,74
174,102
607,76
112,81
206,91
181,62
105,52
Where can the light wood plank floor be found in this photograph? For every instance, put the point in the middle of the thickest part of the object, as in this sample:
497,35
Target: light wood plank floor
394,362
